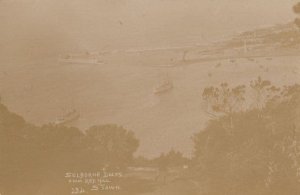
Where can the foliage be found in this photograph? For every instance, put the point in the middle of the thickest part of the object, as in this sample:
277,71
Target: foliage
113,143
32,156
171,159
296,9
254,150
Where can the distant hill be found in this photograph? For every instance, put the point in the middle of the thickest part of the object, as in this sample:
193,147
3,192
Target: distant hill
276,40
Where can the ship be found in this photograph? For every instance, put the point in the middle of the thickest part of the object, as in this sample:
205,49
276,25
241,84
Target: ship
68,118
81,58
164,87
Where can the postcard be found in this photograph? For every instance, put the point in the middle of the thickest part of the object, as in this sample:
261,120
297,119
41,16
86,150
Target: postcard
149,97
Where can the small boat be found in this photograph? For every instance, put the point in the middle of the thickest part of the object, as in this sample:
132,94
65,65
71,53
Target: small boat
80,59
68,118
163,88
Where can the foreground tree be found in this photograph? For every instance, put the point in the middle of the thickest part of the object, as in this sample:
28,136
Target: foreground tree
171,159
34,160
259,152
113,144
296,9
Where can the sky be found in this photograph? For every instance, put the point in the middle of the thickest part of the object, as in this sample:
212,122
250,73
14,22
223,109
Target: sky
123,24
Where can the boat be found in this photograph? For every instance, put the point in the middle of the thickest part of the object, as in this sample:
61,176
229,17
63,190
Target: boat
80,61
166,86
68,118
81,58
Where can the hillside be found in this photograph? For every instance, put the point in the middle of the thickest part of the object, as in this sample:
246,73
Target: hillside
278,40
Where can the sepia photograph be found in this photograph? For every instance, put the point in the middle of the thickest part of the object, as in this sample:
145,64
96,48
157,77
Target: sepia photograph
149,97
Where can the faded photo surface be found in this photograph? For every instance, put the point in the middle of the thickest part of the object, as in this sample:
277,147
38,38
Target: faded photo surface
150,97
